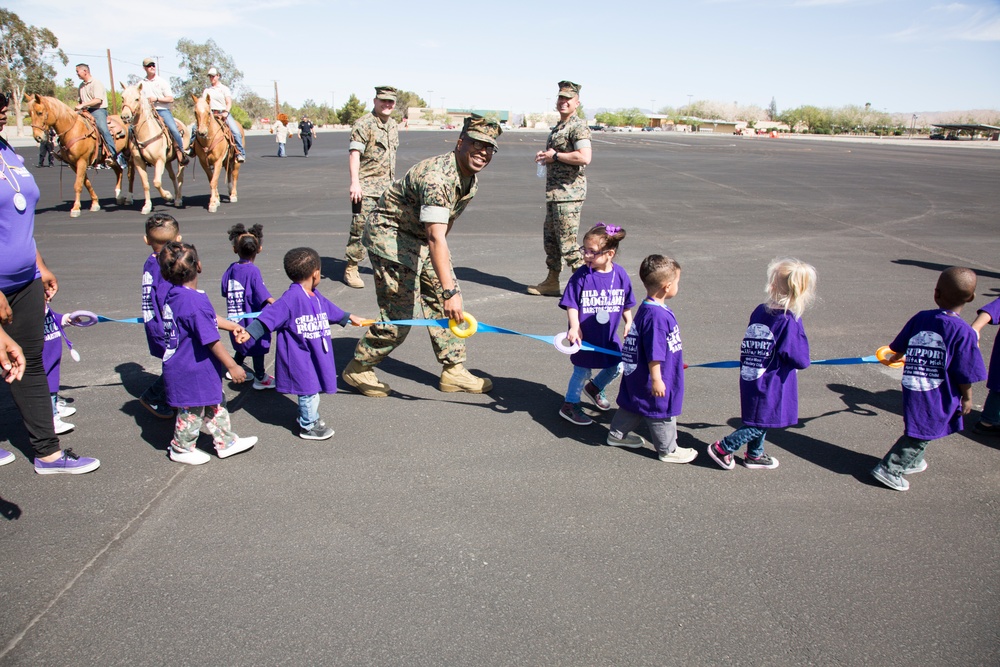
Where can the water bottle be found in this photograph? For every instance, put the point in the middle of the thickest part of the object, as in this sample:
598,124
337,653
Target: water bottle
540,172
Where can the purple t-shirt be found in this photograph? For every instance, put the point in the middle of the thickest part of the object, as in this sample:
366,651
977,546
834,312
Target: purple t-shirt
245,292
191,373
654,336
154,291
773,351
599,296
52,349
993,310
303,363
17,228
942,352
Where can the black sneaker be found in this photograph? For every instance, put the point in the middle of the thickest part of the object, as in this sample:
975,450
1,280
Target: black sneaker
572,413
161,410
716,453
983,428
597,396
762,461
319,431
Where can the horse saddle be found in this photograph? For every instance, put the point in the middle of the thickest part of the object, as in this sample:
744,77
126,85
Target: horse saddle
227,132
118,131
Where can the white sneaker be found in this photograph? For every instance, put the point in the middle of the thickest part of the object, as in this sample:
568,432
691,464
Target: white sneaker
63,410
194,457
239,445
61,426
680,455
266,383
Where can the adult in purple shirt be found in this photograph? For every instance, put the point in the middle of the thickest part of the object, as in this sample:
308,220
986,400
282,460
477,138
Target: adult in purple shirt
989,423
25,284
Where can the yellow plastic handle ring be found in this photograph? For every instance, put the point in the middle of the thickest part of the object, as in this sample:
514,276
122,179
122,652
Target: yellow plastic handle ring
884,353
465,328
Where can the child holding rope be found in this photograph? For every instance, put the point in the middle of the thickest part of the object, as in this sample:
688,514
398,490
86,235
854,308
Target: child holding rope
161,229
245,292
597,298
774,349
193,361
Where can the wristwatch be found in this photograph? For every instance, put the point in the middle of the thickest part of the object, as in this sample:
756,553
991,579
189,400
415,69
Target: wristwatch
448,293
555,156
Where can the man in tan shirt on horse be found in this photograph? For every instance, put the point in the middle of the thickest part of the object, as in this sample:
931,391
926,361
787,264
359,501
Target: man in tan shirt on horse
94,99
161,97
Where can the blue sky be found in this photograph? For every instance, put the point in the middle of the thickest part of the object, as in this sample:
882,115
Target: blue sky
901,56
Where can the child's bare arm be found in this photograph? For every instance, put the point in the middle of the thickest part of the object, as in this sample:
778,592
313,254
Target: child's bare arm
656,380
235,372
239,333
573,333
966,391
982,319
627,321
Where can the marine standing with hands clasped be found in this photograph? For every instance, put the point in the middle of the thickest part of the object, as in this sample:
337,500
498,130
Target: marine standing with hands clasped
372,163
567,154
406,237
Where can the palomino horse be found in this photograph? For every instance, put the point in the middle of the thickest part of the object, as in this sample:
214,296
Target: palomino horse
78,143
150,144
213,149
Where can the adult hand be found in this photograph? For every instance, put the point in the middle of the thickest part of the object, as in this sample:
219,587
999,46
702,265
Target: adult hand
356,193
453,309
6,314
50,282
11,358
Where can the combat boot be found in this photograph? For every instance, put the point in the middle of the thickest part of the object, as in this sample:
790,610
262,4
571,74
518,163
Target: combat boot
548,287
182,157
351,276
454,378
364,380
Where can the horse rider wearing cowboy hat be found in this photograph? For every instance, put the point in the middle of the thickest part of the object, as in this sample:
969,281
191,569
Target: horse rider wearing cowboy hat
161,97
220,101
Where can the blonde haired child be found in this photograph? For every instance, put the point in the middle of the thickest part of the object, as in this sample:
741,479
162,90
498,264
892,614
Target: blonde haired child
774,349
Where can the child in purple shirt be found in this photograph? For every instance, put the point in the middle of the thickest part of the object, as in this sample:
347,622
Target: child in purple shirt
597,298
773,351
301,317
989,422
193,359
652,386
942,360
245,292
161,229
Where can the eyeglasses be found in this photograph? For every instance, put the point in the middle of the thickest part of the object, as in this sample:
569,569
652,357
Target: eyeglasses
587,252
480,146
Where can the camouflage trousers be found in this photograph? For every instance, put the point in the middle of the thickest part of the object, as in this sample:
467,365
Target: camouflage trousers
562,225
355,250
400,291
215,419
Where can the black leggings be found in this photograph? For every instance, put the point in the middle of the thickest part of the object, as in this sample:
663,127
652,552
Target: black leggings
31,393
258,365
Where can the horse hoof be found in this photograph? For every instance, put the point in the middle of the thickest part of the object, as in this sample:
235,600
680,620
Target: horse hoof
146,209
120,201
179,202
129,201
232,199
75,213
168,197
212,208
95,206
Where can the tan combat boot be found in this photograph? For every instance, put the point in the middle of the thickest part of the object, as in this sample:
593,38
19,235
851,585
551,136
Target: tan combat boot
456,378
351,276
364,380
548,287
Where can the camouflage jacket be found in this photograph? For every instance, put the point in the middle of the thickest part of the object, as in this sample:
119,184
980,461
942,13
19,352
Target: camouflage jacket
433,191
567,182
377,142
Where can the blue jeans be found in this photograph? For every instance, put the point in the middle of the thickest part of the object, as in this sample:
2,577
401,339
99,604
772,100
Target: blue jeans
751,436
101,118
237,133
991,408
580,377
281,149
906,453
168,120
308,411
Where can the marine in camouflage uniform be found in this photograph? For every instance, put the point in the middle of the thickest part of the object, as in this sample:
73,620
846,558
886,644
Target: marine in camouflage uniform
566,156
406,240
372,163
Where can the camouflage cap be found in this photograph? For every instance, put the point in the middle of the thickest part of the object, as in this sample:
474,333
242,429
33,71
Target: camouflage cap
385,93
146,62
482,129
569,89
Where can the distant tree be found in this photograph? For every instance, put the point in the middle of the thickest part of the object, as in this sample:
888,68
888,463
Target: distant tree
67,92
26,55
580,112
197,59
633,117
352,110
610,118
241,116
404,100
256,106
772,110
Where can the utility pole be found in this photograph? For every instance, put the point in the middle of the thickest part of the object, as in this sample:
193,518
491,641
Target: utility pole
113,96
276,100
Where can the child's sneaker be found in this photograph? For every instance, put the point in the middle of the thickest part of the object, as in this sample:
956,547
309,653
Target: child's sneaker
889,478
572,413
193,457
266,383
716,453
762,461
161,410
920,467
63,410
238,445
61,426
69,464
597,396
625,440
6,457
679,455
319,431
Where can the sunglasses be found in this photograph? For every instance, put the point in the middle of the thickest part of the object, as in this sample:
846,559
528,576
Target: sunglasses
3,100
150,65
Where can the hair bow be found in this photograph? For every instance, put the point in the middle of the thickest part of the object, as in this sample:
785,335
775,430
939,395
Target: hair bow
610,229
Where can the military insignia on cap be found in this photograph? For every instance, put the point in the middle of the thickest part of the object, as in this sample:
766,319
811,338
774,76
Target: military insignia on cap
569,89
482,129
386,93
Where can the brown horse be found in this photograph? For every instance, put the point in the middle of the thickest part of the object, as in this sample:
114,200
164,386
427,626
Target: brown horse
150,144
79,143
212,147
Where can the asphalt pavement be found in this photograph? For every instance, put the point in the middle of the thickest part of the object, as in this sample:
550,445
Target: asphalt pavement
453,529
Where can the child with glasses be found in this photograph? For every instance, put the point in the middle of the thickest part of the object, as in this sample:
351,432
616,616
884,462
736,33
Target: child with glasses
597,298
